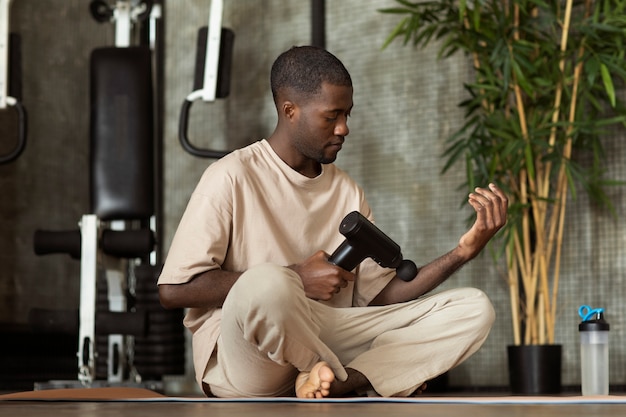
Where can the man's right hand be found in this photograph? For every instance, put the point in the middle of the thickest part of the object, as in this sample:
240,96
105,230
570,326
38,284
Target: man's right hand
321,279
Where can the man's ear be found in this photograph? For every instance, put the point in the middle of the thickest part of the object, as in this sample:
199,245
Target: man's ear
289,109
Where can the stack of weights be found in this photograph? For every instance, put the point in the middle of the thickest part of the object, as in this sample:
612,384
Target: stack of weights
162,350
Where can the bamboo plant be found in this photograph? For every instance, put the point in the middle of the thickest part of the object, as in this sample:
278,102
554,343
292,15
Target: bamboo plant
544,90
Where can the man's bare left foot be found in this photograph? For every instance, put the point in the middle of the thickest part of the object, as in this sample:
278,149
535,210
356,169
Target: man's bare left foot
316,383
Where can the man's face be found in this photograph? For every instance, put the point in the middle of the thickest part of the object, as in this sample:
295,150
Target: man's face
323,123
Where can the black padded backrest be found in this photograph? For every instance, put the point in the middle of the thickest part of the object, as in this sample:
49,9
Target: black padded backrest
121,131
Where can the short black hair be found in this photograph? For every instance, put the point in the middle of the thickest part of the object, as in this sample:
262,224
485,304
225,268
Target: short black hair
305,68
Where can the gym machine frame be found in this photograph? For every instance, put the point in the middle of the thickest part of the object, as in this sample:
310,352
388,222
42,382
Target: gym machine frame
5,99
115,242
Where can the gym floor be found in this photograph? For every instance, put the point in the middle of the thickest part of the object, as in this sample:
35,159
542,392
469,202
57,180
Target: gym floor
276,409
131,401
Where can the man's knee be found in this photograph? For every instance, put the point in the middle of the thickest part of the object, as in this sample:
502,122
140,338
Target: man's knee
264,285
485,313
266,278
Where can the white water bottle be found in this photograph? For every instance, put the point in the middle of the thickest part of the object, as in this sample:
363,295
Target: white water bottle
594,351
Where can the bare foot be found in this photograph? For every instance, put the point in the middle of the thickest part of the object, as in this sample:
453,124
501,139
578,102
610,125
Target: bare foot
315,384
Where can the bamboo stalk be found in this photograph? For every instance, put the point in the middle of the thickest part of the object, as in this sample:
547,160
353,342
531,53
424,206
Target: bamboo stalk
547,303
532,328
545,187
540,273
533,264
526,181
531,298
541,325
530,181
559,91
563,185
526,258
567,153
557,263
525,261
514,293
521,268
546,322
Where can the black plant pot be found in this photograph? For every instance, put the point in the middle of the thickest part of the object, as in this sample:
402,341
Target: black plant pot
535,369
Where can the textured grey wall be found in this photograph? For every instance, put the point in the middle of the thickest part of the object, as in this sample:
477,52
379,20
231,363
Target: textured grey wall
405,107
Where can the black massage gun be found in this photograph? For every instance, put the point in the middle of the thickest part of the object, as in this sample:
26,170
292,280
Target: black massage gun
364,240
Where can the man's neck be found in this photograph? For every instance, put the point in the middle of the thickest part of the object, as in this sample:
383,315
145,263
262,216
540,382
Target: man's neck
299,163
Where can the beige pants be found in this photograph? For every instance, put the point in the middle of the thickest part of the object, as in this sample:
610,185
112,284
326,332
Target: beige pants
270,332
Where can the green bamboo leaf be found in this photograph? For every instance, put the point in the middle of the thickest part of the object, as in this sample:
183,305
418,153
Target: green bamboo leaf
477,16
454,154
409,7
608,84
410,4
397,31
570,180
530,163
462,10
394,10
613,183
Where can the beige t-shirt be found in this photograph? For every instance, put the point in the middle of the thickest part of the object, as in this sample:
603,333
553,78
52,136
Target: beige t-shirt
251,208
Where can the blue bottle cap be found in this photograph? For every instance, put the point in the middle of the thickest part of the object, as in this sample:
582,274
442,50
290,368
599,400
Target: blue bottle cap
593,319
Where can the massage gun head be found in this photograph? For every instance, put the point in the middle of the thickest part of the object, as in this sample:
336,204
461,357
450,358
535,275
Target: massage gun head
407,270
364,240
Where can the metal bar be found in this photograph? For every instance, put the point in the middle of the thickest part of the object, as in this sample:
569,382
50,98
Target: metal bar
87,309
318,23
212,56
117,302
123,24
5,9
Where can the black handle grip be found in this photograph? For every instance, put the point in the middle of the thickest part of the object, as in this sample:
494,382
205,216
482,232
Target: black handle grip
46,242
21,134
183,122
346,256
128,243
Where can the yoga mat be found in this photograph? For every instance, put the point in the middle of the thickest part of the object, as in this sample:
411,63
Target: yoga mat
84,394
131,394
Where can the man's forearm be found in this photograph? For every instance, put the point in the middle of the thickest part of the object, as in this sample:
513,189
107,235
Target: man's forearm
206,290
428,278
